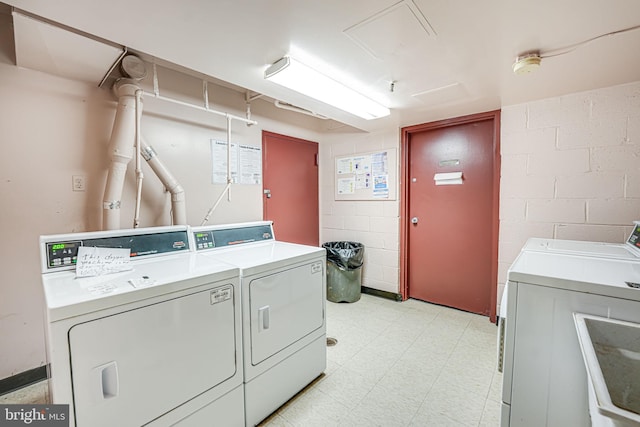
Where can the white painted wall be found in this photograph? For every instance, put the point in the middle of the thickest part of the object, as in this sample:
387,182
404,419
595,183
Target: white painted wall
372,223
570,169
53,128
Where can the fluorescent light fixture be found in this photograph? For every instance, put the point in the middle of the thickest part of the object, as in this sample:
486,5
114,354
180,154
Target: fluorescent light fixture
296,76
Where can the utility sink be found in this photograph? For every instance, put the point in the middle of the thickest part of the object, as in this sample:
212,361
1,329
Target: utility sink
611,353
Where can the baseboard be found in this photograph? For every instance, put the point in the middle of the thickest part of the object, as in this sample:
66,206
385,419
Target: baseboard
382,294
23,379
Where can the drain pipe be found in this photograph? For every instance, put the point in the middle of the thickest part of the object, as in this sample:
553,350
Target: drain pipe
139,174
121,147
227,188
178,208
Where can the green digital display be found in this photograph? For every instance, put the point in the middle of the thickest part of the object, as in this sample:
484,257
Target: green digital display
58,246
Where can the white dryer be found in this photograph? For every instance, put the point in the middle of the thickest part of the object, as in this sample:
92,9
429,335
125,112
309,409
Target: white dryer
157,345
283,289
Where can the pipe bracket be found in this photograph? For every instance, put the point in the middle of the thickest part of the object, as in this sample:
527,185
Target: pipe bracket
114,204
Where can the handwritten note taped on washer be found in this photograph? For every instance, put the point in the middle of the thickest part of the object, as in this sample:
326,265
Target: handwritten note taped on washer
94,261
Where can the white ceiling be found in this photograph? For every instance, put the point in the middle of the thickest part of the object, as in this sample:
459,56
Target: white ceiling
446,57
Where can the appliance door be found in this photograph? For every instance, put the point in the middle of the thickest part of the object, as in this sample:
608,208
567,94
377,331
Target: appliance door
134,366
284,307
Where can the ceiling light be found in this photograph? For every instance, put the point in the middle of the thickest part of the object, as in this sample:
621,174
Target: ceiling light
527,63
296,76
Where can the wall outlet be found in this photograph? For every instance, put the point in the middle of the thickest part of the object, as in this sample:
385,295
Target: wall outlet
77,182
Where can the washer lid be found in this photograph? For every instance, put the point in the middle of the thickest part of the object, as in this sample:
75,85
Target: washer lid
603,276
576,247
262,257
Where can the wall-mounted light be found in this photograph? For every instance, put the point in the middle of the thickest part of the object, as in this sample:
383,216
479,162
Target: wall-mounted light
299,77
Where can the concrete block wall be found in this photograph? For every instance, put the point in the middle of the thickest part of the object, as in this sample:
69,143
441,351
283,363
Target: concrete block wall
570,169
373,223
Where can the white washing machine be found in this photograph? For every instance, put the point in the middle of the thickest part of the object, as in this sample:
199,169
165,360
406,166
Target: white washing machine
630,250
283,289
544,379
157,345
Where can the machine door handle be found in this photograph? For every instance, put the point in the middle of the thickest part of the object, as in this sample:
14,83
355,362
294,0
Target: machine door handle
263,317
414,220
108,378
267,193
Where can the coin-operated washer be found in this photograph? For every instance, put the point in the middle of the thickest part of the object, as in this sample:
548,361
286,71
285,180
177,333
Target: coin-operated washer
630,250
159,344
283,310
545,381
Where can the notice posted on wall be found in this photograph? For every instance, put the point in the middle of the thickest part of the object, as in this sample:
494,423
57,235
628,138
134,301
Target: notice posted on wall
353,165
246,163
381,187
346,185
368,176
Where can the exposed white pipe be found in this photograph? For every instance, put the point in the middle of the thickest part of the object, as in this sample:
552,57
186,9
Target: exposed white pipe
178,208
139,174
197,107
215,205
227,188
121,150
301,110
229,158
205,93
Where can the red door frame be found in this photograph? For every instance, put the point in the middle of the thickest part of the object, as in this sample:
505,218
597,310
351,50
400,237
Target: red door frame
404,194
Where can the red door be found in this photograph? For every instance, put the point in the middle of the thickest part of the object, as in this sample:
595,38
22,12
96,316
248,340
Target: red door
451,230
290,180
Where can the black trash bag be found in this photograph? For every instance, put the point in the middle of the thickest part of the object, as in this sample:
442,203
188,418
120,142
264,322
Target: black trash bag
345,255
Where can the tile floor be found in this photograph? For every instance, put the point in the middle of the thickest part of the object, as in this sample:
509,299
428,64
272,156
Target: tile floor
401,364
395,364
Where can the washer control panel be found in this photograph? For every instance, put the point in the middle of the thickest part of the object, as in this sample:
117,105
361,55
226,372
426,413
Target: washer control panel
634,238
218,237
64,252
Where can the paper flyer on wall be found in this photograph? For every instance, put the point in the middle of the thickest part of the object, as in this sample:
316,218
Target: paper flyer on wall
346,185
354,165
366,176
246,163
379,163
381,186
363,181
250,164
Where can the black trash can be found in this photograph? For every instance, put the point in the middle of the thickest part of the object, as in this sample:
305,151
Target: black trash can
344,270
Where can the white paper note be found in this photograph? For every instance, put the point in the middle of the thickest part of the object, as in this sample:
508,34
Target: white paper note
94,261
